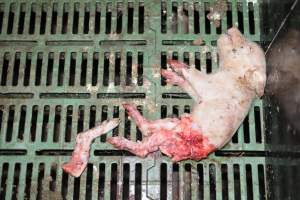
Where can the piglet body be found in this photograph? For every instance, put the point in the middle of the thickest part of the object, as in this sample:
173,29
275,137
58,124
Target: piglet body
222,100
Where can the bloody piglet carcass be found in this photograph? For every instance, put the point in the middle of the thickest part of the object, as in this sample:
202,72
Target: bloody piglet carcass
222,100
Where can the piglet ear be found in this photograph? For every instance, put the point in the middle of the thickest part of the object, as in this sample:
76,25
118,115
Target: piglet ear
257,81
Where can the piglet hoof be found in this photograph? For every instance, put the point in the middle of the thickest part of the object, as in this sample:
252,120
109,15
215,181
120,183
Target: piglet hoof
74,169
172,77
177,65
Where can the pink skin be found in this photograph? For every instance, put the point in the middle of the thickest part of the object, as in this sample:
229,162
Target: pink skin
173,78
81,153
222,100
177,65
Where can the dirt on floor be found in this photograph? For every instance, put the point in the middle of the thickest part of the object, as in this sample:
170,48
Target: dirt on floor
217,12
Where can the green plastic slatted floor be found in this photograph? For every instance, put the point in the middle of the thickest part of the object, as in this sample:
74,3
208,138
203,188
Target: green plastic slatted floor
66,66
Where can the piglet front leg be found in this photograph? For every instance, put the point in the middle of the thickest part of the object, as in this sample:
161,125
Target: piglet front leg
177,77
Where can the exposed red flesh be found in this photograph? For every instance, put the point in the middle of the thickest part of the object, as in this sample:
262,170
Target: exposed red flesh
186,142
180,139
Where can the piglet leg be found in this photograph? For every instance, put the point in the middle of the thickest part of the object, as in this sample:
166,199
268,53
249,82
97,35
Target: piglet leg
173,78
149,127
195,80
177,66
81,153
140,149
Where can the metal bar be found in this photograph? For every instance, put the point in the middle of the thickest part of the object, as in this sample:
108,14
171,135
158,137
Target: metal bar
95,181
241,134
113,18
78,58
169,17
60,10
33,68
49,11
5,18
82,187
16,123
109,117
107,186
72,18
81,18
56,57
26,134
206,181
255,182
75,117
58,183
10,180
256,19
112,67
230,175
89,67
4,125
214,60
203,58
169,181
100,68
243,181
218,181
10,70
39,122
34,179
252,131
245,18
67,68
182,183
134,71
22,181
51,124
124,8
132,171
38,12
44,68
16,17
63,123
234,13
70,191
194,181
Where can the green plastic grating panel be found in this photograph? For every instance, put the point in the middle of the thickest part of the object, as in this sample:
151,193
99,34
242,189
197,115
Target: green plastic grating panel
69,65
128,177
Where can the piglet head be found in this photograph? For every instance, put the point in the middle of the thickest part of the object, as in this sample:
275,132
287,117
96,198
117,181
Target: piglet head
243,58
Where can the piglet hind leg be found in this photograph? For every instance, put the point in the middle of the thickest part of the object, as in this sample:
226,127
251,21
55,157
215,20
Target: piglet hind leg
81,153
148,127
140,149
155,133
